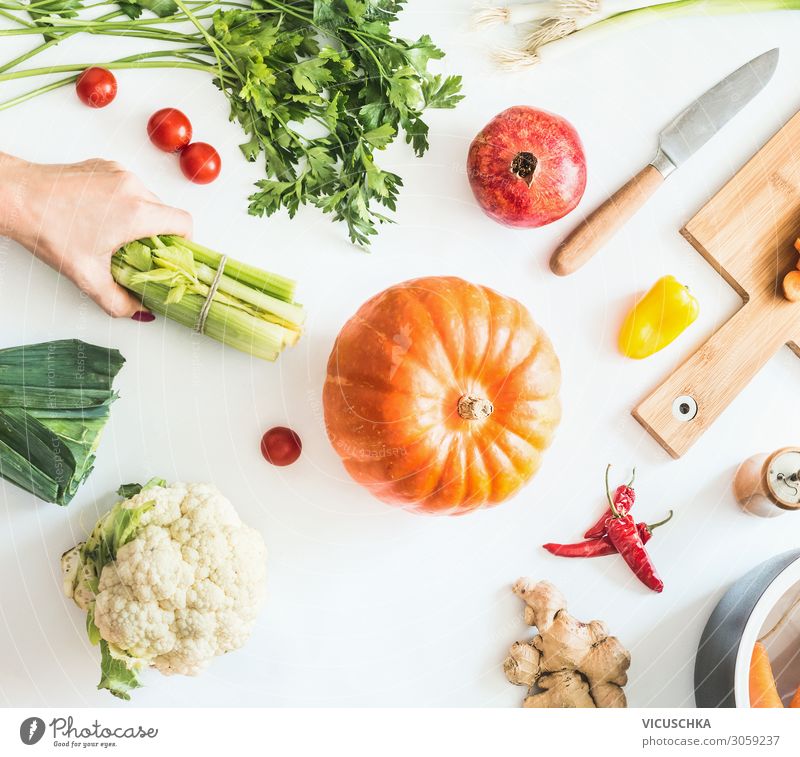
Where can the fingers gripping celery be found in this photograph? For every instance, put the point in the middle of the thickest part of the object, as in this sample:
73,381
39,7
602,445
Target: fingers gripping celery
250,310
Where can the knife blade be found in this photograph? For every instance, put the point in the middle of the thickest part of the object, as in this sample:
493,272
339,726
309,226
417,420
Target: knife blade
686,134
694,126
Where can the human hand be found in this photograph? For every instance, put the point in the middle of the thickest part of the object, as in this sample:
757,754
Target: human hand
75,217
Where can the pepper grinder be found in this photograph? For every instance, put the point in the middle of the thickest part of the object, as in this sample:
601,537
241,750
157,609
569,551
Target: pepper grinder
768,485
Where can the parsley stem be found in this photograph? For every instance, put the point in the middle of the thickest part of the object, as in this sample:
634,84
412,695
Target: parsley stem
159,34
69,80
371,52
25,7
212,43
14,18
298,139
36,92
68,24
289,10
361,33
113,65
50,43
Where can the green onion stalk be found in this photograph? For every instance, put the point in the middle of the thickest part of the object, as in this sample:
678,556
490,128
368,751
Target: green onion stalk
547,37
248,309
554,37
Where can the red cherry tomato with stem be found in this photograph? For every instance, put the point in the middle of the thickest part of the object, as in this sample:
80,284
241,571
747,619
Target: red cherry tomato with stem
96,87
169,130
281,446
200,163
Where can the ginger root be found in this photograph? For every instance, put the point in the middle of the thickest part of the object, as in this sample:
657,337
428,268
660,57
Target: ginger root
568,663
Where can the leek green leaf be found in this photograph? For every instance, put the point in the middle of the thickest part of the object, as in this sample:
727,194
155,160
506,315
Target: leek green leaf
55,399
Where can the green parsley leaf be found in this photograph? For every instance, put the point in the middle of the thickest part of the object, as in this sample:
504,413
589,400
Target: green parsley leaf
161,8
380,136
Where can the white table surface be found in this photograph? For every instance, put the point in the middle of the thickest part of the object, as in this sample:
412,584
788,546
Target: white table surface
368,605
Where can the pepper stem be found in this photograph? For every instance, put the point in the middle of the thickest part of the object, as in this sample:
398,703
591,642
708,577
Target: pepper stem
633,477
661,522
614,510
472,408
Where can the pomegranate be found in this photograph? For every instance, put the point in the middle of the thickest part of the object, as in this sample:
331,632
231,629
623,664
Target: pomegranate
527,167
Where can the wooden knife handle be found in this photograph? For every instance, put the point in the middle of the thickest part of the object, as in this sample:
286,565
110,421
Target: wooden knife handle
692,398
604,222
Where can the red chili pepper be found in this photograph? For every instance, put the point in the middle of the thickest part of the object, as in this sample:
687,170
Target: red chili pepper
602,546
625,537
624,498
588,548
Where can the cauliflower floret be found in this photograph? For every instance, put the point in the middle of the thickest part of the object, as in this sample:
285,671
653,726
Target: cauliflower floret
143,629
166,500
188,586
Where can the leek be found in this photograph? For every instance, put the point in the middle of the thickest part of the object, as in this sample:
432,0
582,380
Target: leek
251,310
55,400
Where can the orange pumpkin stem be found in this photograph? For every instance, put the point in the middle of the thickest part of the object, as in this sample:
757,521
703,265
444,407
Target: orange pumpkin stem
472,408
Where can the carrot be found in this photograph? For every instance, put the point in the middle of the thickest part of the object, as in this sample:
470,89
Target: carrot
796,699
763,691
791,286
797,245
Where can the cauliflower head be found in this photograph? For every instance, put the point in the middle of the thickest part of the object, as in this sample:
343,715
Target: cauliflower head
170,578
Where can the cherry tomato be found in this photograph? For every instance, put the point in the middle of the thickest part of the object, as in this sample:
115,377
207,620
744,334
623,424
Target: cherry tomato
200,163
281,446
96,87
169,130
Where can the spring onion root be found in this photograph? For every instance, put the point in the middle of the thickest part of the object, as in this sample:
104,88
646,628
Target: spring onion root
525,13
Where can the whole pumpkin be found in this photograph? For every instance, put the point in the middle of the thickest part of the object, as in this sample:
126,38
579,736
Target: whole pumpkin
441,396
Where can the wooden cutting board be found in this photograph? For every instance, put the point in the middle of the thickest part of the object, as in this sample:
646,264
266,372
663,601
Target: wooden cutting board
746,232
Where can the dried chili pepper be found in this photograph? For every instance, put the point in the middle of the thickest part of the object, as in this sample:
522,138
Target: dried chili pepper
624,498
602,546
624,535
589,548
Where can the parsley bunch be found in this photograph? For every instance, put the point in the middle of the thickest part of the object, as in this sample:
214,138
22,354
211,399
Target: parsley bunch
317,86
335,64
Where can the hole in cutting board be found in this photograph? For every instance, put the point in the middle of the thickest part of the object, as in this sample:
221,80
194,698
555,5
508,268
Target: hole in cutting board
684,408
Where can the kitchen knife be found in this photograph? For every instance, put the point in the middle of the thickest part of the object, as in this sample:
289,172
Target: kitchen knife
679,141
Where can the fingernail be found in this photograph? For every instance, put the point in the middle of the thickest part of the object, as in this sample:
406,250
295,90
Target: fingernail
143,316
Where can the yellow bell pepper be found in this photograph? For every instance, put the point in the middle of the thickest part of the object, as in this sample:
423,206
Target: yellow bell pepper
659,318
